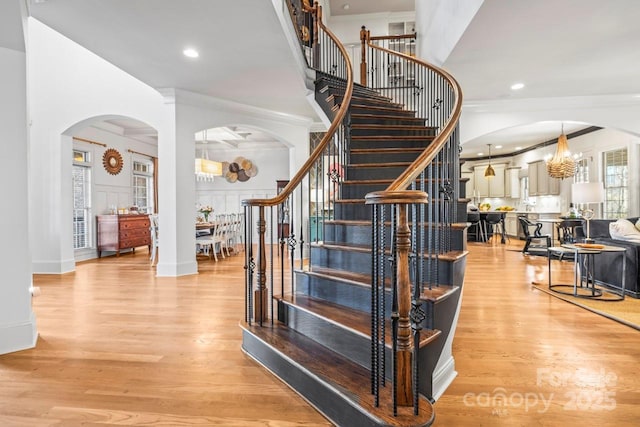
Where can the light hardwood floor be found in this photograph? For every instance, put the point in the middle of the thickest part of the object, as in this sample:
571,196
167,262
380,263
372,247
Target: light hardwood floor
120,346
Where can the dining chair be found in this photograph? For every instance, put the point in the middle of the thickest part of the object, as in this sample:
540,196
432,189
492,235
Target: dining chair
209,244
536,238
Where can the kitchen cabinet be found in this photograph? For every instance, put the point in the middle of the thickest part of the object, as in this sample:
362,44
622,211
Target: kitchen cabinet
490,187
540,183
118,232
512,182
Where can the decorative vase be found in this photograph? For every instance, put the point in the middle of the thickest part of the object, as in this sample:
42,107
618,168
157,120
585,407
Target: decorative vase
206,216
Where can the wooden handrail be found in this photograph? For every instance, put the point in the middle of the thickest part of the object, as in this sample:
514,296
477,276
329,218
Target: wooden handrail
396,37
427,156
317,152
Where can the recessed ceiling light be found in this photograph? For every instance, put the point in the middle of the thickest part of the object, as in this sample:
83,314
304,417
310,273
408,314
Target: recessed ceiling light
190,53
518,148
498,146
480,154
517,86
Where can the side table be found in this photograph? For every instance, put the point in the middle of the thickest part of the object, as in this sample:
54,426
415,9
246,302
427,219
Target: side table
584,259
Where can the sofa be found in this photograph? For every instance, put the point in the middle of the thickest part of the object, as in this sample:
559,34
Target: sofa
608,265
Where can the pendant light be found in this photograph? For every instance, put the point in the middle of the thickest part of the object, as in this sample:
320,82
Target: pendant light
489,172
562,164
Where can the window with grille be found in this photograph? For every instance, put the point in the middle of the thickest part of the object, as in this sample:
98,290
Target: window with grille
81,177
616,173
143,186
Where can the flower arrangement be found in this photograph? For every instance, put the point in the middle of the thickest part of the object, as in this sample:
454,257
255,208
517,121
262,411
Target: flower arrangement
205,211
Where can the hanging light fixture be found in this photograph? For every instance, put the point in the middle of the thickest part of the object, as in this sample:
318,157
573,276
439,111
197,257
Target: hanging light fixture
562,164
206,169
489,172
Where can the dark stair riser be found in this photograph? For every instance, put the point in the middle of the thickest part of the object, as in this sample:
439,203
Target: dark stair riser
360,262
353,346
388,131
384,120
360,108
383,156
355,211
379,172
409,142
357,234
359,190
329,400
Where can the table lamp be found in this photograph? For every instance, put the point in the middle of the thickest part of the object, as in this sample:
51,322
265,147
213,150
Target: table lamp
587,193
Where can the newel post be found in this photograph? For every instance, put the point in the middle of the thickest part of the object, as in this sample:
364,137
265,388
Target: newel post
404,352
363,55
401,305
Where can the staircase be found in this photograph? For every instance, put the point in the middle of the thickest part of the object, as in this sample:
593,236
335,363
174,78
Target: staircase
321,344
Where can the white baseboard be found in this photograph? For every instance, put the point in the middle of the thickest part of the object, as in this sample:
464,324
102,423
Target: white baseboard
54,267
18,336
175,270
443,377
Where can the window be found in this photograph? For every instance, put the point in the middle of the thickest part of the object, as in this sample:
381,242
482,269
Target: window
143,186
616,173
81,176
582,171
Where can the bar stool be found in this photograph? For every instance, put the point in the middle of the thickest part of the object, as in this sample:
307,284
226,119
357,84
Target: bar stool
494,224
479,233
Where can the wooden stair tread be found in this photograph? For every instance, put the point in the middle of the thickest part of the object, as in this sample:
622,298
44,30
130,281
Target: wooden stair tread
351,379
409,113
438,293
380,165
446,256
385,150
365,223
390,137
394,127
347,317
384,117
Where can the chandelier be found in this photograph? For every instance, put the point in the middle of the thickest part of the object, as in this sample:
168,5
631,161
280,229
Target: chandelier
562,164
206,169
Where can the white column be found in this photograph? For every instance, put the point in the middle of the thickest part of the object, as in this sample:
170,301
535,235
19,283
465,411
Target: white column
176,196
17,320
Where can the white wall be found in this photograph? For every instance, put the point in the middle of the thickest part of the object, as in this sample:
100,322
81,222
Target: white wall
69,89
17,320
440,25
226,197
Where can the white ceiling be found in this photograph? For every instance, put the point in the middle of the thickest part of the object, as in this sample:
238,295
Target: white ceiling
555,47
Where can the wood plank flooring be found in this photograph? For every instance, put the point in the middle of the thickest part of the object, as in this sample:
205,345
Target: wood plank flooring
119,346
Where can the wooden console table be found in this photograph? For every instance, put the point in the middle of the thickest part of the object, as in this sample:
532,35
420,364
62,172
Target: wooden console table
118,232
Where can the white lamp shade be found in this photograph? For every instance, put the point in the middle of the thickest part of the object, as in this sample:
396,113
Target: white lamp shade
587,192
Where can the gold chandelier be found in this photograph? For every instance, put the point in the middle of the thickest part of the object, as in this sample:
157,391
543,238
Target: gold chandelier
562,164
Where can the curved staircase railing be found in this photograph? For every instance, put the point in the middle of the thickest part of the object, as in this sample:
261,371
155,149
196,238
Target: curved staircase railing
331,60
421,204
392,144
